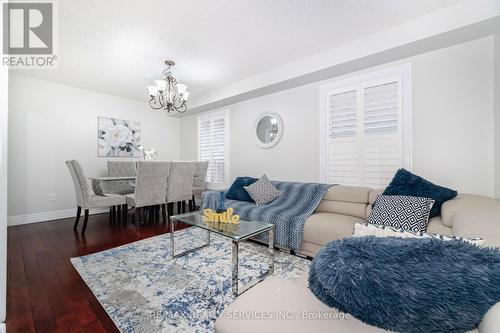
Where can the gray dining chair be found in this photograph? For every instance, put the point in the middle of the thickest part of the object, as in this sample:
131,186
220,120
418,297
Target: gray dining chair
199,185
180,185
85,200
120,169
150,188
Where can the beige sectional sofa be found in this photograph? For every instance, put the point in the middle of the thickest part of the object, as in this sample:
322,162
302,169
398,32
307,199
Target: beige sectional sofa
287,305
344,206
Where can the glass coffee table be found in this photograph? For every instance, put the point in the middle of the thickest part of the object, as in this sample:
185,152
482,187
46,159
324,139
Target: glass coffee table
235,232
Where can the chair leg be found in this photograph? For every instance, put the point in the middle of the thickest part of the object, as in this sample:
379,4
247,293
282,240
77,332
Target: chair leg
118,214
164,213
194,202
141,215
170,209
183,207
179,207
77,219
124,214
85,220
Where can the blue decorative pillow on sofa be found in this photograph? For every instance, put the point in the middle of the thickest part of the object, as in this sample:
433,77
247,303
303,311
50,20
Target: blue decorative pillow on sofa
237,190
408,285
407,183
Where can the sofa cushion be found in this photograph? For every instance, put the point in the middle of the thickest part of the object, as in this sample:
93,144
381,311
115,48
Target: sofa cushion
283,307
237,192
322,228
343,207
348,194
407,183
436,226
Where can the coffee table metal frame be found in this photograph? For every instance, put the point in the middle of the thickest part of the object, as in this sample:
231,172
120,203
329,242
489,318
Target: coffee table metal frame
234,250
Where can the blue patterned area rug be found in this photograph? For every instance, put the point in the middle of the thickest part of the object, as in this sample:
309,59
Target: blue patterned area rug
143,290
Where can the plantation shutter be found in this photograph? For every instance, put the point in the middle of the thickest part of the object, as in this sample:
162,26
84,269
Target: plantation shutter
212,145
364,128
344,163
383,153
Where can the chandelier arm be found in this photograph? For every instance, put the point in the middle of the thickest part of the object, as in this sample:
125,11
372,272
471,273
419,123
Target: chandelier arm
181,108
155,103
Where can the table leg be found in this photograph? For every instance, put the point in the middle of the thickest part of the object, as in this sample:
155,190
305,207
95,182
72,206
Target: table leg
235,269
271,251
172,230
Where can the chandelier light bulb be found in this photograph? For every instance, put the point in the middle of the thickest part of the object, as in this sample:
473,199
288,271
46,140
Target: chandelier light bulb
153,90
161,84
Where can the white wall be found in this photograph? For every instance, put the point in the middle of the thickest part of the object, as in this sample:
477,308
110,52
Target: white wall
452,123
50,123
497,114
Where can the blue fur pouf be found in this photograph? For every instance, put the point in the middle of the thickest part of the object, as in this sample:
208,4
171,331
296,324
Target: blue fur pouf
408,285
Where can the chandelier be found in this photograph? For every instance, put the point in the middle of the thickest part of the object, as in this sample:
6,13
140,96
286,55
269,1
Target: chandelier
167,94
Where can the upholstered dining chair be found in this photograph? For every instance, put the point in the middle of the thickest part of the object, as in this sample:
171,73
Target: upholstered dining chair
150,187
200,174
85,200
180,185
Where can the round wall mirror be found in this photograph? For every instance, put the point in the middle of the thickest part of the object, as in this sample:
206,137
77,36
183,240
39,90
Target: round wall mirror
268,129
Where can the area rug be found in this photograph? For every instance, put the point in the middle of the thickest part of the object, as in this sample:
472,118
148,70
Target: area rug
144,290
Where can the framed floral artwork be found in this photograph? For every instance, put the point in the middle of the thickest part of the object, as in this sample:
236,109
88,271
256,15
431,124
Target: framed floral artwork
118,137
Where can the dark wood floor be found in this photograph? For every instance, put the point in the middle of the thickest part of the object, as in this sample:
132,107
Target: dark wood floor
44,291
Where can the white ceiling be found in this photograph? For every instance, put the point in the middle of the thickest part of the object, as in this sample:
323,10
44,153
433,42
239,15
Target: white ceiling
118,47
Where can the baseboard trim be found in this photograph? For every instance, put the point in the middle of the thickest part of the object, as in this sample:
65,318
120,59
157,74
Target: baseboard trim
49,216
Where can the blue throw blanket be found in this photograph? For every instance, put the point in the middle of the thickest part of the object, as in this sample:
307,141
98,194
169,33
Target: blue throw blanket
288,212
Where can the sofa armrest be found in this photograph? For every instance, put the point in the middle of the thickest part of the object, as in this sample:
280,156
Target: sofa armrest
464,203
478,223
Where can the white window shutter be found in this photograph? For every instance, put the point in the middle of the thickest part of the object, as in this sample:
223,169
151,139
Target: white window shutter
212,145
364,130
382,140
344,164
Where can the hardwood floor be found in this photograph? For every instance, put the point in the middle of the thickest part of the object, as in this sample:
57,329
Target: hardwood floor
44,291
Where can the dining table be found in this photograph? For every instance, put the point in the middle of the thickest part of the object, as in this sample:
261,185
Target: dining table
96,182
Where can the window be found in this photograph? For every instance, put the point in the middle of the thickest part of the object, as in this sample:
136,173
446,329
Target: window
213,135
365,132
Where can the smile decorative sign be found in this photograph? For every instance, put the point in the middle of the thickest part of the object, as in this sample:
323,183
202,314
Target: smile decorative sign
225,217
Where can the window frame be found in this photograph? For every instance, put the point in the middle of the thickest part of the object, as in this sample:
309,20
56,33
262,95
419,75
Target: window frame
404,75
210,115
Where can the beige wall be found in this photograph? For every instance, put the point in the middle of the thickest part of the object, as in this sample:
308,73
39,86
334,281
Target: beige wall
50,123
452,123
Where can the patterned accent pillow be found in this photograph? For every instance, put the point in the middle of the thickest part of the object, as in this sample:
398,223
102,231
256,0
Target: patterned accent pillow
262,191
401,212
366,229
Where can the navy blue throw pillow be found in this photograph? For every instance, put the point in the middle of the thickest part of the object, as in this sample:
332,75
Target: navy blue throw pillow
407,183
237,191
408,284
